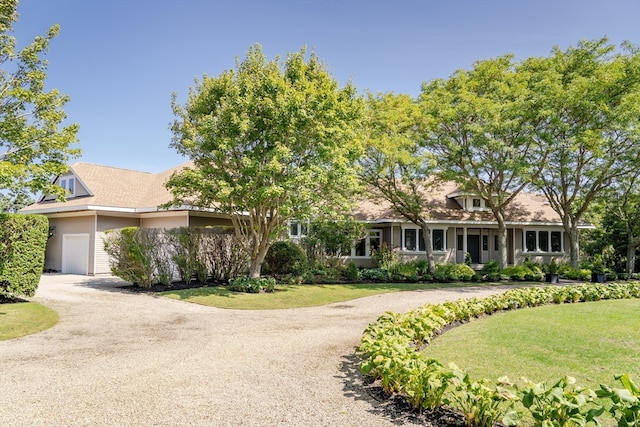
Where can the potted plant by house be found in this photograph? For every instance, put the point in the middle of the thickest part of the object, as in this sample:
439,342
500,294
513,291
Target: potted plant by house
598,272
552,275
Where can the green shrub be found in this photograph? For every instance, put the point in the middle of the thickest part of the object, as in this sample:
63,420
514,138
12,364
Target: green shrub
374,274
385,257
491,267
285,257
23,239
568,272
185,245
460,272
352,272
252,286
523,272
130,255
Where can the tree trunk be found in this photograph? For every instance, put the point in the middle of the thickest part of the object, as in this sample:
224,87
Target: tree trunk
633,242
502,240
574,246
428,246
631,259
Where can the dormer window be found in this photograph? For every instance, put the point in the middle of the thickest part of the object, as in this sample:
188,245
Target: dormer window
68,184
476,203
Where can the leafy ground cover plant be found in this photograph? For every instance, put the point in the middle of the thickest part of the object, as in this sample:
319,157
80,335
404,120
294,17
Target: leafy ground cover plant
626,401
395,337
559,405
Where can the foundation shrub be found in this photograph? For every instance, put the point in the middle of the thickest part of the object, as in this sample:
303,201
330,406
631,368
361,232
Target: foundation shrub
184,243
374,274
23,239
460,272
352,272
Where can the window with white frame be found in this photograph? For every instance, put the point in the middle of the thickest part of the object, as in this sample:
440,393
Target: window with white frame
543,241
68,184
413,240
298,229
364,247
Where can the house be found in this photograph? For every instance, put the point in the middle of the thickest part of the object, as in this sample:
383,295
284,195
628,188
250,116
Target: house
103,198
460,223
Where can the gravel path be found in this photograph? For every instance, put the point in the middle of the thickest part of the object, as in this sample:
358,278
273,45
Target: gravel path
125,359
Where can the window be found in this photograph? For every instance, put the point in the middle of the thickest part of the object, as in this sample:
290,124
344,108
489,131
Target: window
530,241
298,229
495,242
372,242
556,241
410,239
414,240
476,203
460,242
69,185
543,241
485,243
437,240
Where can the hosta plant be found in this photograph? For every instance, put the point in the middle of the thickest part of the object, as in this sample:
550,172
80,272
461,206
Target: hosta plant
626,401
560,405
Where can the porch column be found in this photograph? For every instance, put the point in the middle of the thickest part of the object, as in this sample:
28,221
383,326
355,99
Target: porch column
464,243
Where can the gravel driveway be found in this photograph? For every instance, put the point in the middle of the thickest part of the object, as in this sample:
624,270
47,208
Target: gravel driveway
119,358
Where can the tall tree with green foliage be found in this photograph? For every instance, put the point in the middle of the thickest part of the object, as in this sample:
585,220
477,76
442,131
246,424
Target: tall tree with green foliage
34,145
621,218
590,124
479,125
271,141
396,167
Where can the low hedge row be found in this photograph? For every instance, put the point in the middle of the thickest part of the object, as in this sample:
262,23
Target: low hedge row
390,349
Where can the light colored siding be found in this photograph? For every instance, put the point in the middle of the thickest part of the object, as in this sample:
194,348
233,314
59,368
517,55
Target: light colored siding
108,223
70,225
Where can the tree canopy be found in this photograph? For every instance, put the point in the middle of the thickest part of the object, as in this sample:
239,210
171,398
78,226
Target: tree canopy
396,167
479,123
590,126
271,141
34,144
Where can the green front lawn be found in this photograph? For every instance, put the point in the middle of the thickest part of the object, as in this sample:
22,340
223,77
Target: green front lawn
24,318
590,341
293,296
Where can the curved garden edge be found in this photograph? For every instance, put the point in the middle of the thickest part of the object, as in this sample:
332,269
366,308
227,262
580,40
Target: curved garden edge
390,349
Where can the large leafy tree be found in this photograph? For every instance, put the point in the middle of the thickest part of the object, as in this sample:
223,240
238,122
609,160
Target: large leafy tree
270,141
479,125
396,167
620,223
590,123
34,145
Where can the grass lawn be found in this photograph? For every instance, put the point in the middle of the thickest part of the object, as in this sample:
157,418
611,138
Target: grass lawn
24,318
589,341
292,296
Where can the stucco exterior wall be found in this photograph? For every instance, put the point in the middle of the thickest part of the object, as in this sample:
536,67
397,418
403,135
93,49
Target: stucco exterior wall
165,220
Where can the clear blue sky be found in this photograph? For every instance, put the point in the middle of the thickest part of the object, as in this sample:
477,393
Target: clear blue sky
120,60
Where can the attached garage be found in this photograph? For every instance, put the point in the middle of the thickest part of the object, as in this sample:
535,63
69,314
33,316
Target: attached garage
75,253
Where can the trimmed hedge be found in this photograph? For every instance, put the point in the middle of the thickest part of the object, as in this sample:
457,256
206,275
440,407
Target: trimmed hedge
23,240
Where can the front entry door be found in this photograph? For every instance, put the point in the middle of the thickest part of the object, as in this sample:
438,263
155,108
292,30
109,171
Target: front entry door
473,247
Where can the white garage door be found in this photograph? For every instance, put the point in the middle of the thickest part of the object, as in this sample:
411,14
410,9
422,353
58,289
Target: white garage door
75,253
